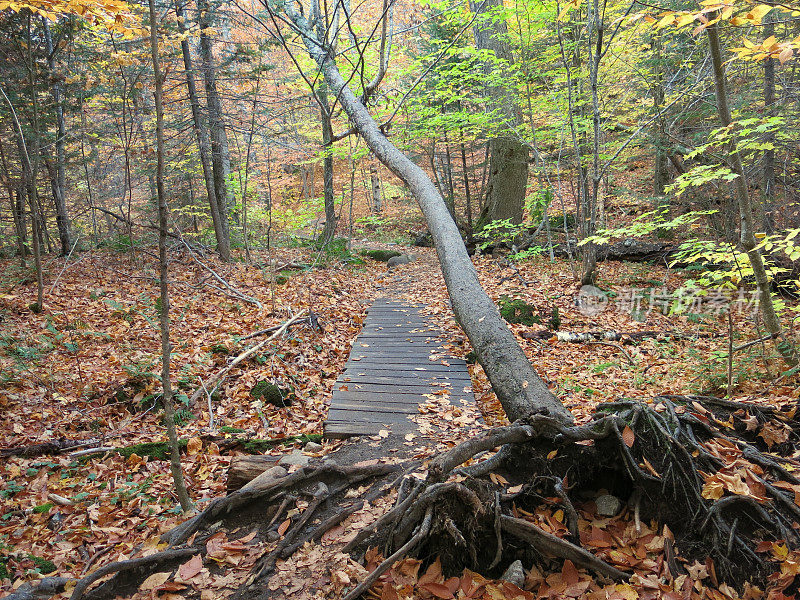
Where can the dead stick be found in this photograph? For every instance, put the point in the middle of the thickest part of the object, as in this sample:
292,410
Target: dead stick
423,530
220,377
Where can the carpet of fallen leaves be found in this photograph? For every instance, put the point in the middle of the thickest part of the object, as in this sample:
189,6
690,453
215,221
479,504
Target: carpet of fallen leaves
86,369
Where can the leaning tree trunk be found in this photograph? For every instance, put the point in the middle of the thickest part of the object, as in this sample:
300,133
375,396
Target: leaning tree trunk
520,390
508,175
747,239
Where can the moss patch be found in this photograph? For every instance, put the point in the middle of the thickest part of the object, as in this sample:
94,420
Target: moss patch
380,255
43,565
257,446
269,393
157,450
515,310
227,429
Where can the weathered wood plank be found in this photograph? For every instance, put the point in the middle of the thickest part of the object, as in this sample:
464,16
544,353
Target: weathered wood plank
390,372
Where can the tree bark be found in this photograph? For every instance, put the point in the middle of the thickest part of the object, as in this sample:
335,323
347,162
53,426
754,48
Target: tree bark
327,166
783,344
769,155
508,175
220,154
204,146
518,387
58,175
166,350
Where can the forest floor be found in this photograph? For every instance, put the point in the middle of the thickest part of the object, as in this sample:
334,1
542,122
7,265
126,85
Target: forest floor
86,369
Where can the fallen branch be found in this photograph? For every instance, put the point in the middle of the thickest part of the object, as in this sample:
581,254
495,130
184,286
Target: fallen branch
220,377
612,336
548,543
311,318
127,565
236,293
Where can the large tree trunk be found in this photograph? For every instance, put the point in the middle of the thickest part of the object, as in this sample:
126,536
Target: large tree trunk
203,146
747,239
518,387
220,154
508,176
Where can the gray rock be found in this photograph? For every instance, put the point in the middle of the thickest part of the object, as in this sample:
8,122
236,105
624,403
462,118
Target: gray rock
399,260
313,447
296,458
608,505
515,574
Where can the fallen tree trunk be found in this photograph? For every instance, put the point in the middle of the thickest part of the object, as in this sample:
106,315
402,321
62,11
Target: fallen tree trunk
244,469
520,390
611,336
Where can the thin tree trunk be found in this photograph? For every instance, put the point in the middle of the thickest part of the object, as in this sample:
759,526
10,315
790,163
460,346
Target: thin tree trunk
769,155
595,38
59,177
218,214
467,193
327,166
784,345
518,387
169,409
220,154
377,207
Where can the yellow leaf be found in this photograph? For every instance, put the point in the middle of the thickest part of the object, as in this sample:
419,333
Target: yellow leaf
785,55
665,20
758,13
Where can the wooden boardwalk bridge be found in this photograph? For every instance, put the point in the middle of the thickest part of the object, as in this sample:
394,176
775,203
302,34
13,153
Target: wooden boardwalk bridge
397,362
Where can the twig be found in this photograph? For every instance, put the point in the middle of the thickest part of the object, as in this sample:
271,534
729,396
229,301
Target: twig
90,451
127,565
270,329
613,345
423,530
220,377
64,268
216,276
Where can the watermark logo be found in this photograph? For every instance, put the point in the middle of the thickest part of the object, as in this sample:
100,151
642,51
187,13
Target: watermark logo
640,302
591,300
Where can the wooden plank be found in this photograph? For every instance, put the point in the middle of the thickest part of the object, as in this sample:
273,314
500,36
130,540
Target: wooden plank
337,430
369,416
377,385
392,375
440,370
389,397
455,363
452,383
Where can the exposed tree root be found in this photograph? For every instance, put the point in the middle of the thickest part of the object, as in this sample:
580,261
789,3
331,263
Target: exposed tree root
676,458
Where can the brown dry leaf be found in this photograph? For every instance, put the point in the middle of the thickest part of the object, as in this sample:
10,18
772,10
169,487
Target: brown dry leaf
194,446
628,436
438,590
190,568
284,526
155,580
